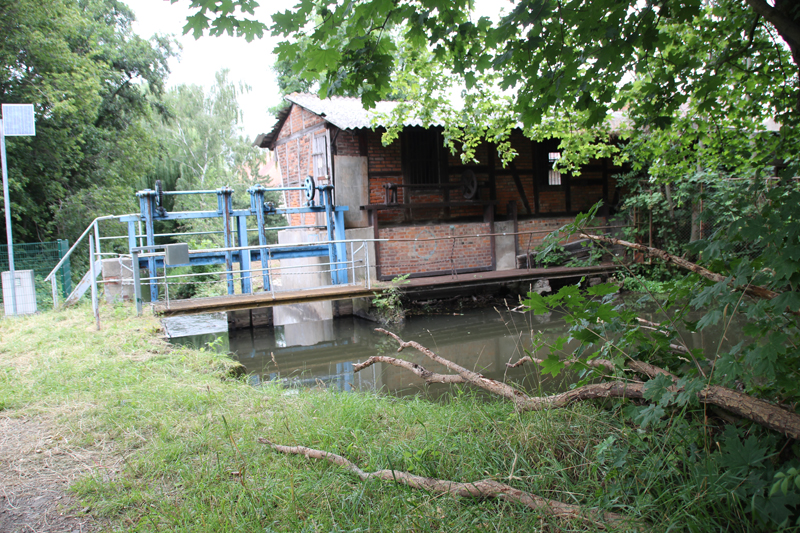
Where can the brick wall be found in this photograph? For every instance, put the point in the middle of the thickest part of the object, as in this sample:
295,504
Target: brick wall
385,166
386,161
294,158
346,143
539,229
585,196
403,255
553,201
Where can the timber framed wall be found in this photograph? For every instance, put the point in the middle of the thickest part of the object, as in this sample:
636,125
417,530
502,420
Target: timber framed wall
520,192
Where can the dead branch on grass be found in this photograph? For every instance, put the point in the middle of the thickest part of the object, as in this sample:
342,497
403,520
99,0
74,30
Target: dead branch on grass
486,488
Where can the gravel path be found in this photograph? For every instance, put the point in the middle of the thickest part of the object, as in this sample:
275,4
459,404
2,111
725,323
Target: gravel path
37,465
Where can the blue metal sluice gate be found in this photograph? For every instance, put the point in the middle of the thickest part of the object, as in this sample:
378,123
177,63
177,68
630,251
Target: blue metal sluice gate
152,210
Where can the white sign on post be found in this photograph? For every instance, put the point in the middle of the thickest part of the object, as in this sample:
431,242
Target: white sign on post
18,120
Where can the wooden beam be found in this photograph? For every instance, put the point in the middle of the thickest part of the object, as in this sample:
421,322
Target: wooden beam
520,188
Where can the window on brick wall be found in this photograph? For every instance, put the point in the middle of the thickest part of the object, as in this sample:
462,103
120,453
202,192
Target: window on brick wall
319,156
421,152
553,175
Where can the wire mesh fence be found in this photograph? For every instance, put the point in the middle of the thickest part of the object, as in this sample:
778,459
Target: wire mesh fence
41,258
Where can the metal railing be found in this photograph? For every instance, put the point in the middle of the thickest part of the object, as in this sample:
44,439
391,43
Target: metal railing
359,261
94,243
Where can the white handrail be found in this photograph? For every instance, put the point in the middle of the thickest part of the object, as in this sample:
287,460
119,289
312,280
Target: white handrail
52,275
77,242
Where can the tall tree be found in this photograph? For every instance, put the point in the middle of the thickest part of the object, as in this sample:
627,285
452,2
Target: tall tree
202,145
697,73
89,77
203,134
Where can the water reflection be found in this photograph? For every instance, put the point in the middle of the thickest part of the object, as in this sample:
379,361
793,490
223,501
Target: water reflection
322,353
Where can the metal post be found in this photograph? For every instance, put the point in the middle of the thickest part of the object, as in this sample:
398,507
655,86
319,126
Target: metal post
132,234
93,275
7,204
166,282
244,255
54,288
137,284
147,199
341,248
367,273
257,204
226,205
332,259
97,238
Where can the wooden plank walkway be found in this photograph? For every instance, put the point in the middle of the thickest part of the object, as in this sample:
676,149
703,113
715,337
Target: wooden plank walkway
240,302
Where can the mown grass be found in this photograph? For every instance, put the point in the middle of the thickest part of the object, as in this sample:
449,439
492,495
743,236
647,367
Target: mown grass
179,436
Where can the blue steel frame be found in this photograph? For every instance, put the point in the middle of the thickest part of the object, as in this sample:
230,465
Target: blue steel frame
334,215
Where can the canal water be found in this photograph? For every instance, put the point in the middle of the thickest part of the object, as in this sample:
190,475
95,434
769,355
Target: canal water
322,353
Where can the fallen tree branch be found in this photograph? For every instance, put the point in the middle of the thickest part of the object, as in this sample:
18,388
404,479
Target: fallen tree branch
496,387
414,368
769,415
645,369
751,290
486,488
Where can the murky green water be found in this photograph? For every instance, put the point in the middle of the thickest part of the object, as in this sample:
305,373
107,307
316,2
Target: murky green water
322,353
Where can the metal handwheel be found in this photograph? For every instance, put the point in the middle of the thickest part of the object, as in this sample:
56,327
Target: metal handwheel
469,184
311,189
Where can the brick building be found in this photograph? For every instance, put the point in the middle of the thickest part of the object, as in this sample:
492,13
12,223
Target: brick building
438,216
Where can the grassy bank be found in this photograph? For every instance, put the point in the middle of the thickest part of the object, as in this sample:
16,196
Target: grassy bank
176,436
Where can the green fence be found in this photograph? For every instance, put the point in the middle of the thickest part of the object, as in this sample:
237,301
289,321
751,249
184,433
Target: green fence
41,257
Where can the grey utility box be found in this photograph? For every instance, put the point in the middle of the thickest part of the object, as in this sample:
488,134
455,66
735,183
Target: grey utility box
176,254
24,289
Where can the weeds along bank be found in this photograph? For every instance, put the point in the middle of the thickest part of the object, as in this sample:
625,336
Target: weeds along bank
175,441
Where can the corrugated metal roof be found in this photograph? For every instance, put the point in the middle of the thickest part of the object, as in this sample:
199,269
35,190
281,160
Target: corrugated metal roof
344,112
348,113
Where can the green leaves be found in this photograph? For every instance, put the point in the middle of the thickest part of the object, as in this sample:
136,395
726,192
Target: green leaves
228,18
94,85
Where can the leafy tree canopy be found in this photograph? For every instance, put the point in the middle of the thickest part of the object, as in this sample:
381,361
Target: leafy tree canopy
702,78
94,84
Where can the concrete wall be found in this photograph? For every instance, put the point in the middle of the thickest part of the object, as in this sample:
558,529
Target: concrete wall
302,273
505,247
351,188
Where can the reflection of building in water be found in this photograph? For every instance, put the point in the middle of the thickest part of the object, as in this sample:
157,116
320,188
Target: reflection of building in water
322,353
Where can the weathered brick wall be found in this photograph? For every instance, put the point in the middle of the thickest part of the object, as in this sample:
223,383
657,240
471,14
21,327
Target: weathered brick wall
347,143
585,196
439,248
386,162
385,166
294,158
539,229
552,201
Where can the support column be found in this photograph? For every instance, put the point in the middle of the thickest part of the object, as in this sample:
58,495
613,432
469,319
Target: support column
147,205
244,255
225,206
257,206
